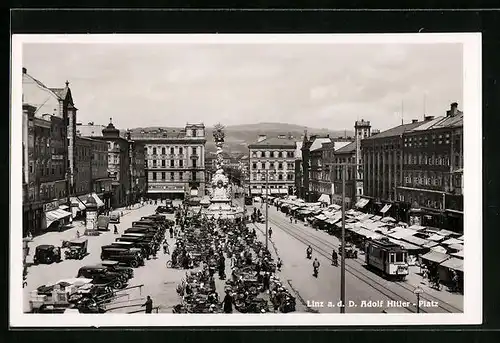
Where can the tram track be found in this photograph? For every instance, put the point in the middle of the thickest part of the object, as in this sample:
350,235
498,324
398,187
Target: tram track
306,237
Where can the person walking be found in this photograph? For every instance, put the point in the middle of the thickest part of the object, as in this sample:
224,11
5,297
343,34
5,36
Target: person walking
116,229
148,304
270,232
165,247
228,302
171,231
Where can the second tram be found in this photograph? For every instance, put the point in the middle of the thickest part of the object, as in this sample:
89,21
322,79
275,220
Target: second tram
387,257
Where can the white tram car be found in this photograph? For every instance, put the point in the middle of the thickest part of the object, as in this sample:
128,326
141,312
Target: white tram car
388,258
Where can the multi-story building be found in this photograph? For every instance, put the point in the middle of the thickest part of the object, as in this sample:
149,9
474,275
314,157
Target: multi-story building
175,161
362,130
101,182
344,155
312,166
46,186
432,171
382,157
137,168
275,157
298,188
83,166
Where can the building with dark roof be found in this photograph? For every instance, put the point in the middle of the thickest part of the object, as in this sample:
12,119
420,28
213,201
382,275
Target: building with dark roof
433,170
272,156
174,159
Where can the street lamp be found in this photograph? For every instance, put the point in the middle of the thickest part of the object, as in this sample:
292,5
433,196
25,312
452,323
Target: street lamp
418,291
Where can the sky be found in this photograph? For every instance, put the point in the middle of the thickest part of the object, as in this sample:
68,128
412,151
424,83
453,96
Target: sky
315,85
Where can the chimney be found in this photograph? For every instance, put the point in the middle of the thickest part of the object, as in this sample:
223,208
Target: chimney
453,110
25,70
261,138
413,121
427,118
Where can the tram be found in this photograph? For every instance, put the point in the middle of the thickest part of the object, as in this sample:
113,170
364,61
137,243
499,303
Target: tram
387,258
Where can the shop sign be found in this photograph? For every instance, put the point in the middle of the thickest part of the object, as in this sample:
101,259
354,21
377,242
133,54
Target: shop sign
50,206
58,157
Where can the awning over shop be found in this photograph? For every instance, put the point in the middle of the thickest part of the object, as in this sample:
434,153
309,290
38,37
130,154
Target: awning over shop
334,207
385,208
54,215
63,207
417,227
459,254
456,246
419,241
454,263
321,217
332,221
435,237
324,198
367,233
435,256
362,203
97,200
461,238
400,232
406,245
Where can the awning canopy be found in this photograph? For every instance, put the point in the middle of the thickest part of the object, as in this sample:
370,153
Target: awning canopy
324,198
77,201
406,245
367,233
97,200
456,246
450,241
435,256
362,203
417,227
400,232
54,215
320,217
435,237
419,241
459,254
385,208
439,248
454,263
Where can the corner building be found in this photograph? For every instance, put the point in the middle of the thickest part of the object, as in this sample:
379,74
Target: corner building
174,161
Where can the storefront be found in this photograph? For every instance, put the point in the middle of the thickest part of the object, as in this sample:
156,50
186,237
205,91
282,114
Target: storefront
55,217
99,202
32,219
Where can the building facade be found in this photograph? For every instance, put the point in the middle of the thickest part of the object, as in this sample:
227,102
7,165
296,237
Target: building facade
344,155
298,189
82,166
311,165
137,172
432,171
274,157
45,158
174,161
362,130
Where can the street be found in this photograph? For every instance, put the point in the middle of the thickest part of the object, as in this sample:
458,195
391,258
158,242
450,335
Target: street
366,291
159,282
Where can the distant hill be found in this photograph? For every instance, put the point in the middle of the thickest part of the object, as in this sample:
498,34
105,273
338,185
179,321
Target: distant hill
239,136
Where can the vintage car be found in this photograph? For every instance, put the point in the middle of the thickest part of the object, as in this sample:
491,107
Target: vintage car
116,267
77,249
103,223
114,217
147,246
47,254
126,256
168,209
101,275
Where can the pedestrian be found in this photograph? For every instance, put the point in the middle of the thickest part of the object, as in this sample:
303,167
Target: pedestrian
171,231
265,281
270,232
279,264
227,302
77,234
148,304
116,229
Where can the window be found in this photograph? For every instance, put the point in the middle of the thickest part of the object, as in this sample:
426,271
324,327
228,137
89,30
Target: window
154,151
180,151
280,177
193,132
180,175
195,150
172,151
163,163
163,175
254,165
154,176
53,170
172,163
154,163
163,152
272,165
181,163
172,175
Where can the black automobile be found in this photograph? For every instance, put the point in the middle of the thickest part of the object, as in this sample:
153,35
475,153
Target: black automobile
103,276
114,266
47,254
168,209
146,245
125,256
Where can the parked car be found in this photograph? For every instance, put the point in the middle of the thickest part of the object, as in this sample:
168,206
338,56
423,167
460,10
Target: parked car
125,256
102,275
114,217
47,254
115,266
77,249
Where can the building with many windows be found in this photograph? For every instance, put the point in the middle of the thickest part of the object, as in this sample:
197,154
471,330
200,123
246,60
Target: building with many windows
432,171
45,157
175,161
274,157
311,166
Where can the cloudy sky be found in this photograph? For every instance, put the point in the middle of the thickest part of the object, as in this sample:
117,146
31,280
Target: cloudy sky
322,86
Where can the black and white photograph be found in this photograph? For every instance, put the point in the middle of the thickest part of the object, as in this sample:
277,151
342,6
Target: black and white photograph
250,180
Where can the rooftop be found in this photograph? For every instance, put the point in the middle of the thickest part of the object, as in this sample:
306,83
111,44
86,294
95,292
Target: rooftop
351,147
395,131
442,122
318,143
